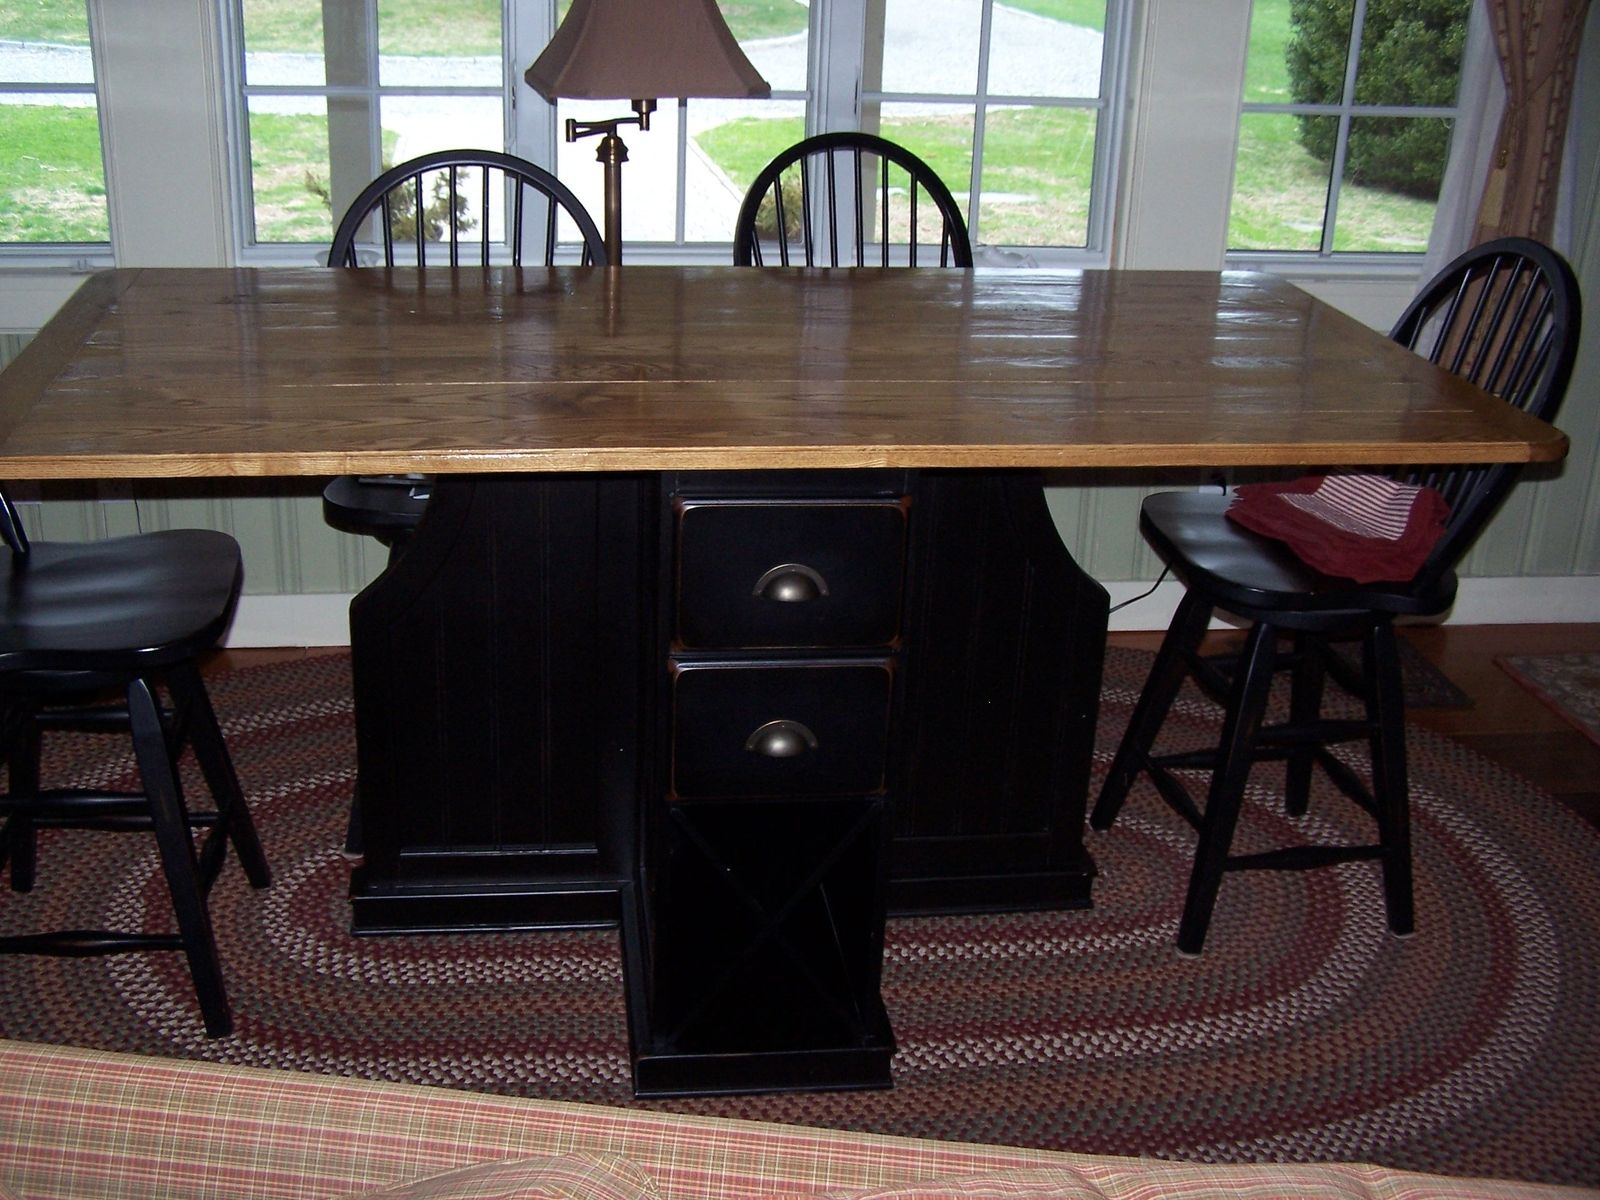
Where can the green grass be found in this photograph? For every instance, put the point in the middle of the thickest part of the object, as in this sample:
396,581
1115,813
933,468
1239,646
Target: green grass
283,150
461,27
1266,77
1089,13
1040,159
65,22
1280,191
750,19
287,155
469,27
54,187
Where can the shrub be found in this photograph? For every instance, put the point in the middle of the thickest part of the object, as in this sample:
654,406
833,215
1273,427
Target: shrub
1411,55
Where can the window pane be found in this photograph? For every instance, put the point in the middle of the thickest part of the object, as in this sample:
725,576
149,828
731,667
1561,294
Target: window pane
54,179
44,26
1317,48
940,135
1280,190
283,41
464,29
772,33
1391,218
54,184
414,125
728,152
311,154
1038,169
289,170
928,48
1035,52
1411,55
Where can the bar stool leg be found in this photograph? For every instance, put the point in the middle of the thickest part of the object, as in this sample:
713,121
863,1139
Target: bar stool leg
18,838
178,862
1247,703
1306,685
1390,786
1167,674
216,765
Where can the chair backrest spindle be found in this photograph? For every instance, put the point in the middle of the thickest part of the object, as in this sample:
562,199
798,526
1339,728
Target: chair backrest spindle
767,217
1506,317
402,194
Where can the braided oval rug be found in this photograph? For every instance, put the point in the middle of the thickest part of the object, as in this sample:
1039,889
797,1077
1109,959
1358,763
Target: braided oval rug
1304,1031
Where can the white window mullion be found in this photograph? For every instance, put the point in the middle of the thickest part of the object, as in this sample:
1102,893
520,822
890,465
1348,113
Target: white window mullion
980,114
839,40
1341,145
531,120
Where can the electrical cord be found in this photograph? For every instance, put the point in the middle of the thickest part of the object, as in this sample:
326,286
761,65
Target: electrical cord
1141,595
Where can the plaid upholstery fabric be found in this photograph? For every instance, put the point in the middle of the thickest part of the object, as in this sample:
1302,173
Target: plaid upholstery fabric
558,1177
79,1123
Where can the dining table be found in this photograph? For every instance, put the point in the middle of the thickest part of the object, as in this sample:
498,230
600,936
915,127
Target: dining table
737,617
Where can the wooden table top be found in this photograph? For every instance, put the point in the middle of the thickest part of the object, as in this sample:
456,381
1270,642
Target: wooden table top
179,372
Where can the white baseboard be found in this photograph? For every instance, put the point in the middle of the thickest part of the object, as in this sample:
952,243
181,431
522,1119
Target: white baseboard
315,619
323,619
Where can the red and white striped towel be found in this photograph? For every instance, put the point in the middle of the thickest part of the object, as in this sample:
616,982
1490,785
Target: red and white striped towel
1368,528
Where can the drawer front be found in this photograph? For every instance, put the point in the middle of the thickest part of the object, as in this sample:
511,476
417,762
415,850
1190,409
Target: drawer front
780,729
793,574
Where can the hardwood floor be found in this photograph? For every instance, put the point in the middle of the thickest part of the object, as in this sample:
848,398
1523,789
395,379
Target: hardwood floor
1505,723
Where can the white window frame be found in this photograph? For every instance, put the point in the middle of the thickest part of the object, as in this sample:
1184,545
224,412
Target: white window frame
834,99
1325,261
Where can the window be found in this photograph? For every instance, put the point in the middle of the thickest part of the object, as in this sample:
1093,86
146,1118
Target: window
53,172
1011,104
326,105
1348,109
1007,102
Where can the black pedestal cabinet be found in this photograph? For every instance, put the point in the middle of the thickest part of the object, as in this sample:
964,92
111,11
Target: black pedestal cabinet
745,715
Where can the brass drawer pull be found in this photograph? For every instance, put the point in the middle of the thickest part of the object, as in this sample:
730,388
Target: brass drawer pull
781,739
790,583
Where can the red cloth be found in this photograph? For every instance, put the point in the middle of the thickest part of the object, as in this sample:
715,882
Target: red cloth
1368,528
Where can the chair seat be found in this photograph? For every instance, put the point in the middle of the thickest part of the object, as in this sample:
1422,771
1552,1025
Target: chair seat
387,509
1256,576
131,604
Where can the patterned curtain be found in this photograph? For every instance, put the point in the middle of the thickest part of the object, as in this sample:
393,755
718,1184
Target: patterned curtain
1537,41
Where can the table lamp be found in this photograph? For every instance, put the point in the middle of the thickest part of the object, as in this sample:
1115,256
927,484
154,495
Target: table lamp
638,50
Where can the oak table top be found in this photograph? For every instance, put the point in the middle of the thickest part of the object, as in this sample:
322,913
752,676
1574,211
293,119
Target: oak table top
188,372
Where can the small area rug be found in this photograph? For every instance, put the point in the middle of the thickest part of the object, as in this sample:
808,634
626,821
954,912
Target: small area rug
1567,683
1304,1032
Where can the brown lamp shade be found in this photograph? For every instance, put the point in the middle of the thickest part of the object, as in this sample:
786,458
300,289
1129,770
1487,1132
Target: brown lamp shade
639,49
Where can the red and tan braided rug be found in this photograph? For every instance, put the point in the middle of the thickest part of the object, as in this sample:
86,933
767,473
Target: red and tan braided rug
1303,1032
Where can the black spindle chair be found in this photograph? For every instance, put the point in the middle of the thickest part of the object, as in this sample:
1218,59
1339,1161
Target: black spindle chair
849,199
90,634
1506,317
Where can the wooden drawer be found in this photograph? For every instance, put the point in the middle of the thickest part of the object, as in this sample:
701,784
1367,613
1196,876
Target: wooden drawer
780,729
789,574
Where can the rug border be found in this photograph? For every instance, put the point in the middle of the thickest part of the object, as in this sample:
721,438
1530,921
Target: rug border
1537,691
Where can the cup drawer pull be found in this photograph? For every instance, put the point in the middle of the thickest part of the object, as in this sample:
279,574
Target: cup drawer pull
790,583
781,739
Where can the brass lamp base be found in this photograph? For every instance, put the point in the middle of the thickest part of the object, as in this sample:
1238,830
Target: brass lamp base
613,152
